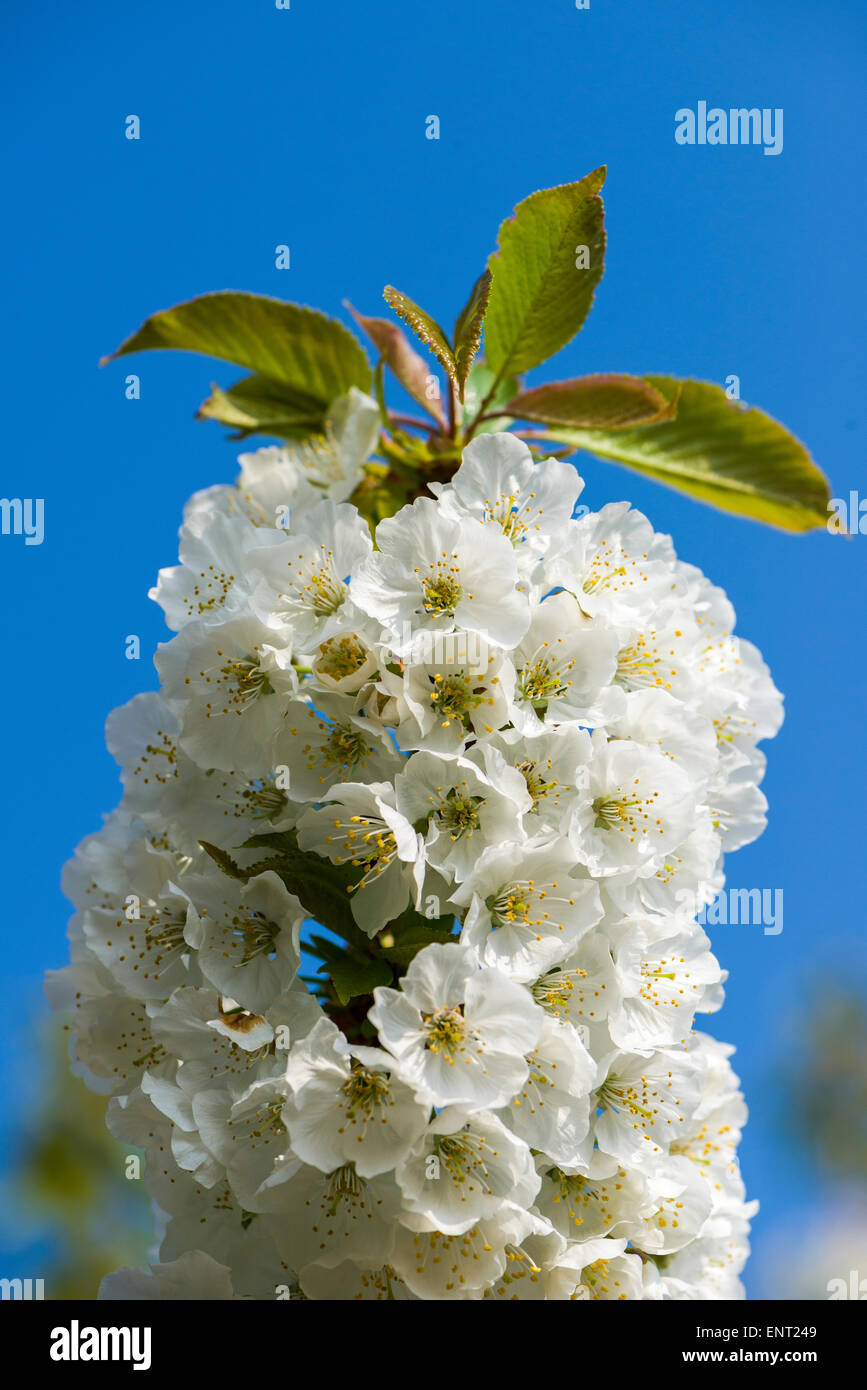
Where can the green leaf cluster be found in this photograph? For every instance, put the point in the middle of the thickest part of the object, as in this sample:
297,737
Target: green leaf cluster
529,302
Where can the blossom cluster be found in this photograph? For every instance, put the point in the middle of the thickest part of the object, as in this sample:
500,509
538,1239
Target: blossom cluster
515,738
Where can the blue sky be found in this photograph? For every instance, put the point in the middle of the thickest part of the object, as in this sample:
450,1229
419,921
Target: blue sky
307,127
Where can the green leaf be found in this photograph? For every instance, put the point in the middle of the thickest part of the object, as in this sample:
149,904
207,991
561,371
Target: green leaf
280,840
233,870
468,329
479,383
411,932
258,405
720,451
225,861
397,352
350,974
424,327
287,343
540,297
322,887
380,493
594,402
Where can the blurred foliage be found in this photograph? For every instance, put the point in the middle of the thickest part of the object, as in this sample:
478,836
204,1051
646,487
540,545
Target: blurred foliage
825,1080
68,1180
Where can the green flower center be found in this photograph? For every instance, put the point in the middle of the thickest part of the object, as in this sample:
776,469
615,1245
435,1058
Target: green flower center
324,591
340,657
462,1155
249,681
164,937
454,698
541,681
365,1090
268,1121
264,799
554,991
345,747
257,934
459,813
343,1185
368,843
618,1095
637,665
512,904
442,594
536,784
615,812
601,572
445,1031
506,512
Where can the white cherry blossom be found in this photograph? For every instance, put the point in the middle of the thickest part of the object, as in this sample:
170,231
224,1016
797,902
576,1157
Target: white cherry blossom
526,908
346,1106
435,573
458,1034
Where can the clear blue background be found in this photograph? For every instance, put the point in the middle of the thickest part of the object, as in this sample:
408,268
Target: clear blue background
307,126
